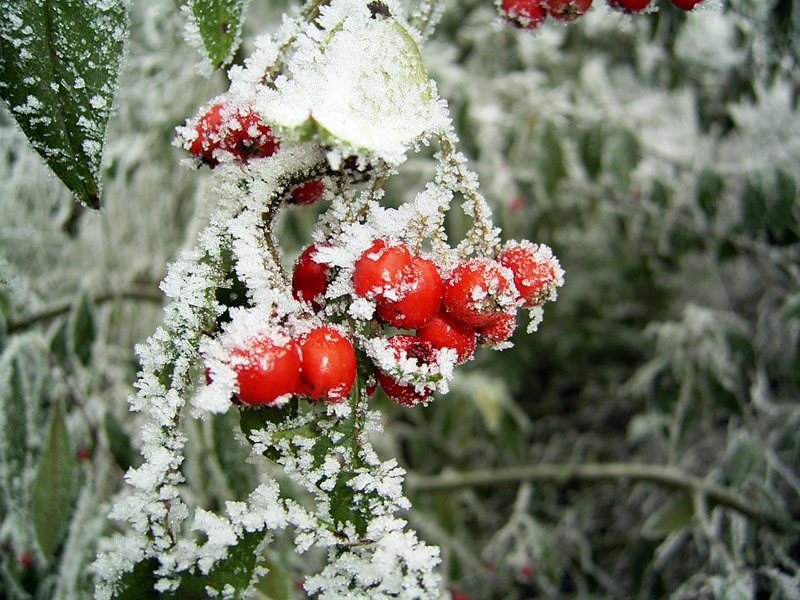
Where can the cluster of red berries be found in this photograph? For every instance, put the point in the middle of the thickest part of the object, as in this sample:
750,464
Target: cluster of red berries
474,302
236,131
529,14
272,365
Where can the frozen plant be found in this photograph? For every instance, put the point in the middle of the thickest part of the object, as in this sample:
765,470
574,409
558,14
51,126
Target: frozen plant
382,296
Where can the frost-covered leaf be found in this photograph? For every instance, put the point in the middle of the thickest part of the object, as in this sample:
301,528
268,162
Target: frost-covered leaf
358,84
551,158
742,459
234,574
676,514
58,70
218,24
14,394
59,344
82,330
51,493
621,153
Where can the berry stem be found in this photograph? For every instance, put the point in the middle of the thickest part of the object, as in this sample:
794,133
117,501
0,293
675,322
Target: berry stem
482,236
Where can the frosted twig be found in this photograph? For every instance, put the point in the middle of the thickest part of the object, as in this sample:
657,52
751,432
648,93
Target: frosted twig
482,233
563,473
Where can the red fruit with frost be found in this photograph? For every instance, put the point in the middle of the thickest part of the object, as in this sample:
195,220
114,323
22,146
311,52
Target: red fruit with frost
421,300
267,368
536,271
629,6
499,331
446,331
384,271
686,4
309,278
234,129
478,291
404,346
566,10
526,14
308,193
328,364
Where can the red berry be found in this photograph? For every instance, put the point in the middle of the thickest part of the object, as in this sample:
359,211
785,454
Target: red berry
527,14
328,364
567,10
686,4
267,368
208,136
629,6
404,347
420,302
235,129
310,278
308,193
384,271
446,331
479,291
499,331
536,271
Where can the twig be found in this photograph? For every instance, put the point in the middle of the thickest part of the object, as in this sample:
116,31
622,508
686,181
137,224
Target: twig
147,294
564,473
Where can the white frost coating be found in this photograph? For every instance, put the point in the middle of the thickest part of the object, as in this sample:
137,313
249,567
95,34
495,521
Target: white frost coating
362,88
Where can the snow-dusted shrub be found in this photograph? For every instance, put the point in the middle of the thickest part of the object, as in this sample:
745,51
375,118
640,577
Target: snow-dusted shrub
654,152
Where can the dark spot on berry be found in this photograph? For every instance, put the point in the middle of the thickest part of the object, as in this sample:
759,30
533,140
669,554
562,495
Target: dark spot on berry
376,7
424,353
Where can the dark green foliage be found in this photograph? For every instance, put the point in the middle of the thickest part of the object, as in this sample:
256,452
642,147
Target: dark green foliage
58,73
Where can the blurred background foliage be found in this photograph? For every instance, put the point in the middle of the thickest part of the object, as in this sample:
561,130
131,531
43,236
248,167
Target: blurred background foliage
657,154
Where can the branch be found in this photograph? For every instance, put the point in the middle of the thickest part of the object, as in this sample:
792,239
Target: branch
562,474
148,294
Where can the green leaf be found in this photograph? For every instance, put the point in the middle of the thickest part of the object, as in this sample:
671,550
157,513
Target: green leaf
119,442
13,422
591,149
675,515
219,23
709,188
552,168
59,344
59,61
51,494
235,571
278,583
82,330
621,154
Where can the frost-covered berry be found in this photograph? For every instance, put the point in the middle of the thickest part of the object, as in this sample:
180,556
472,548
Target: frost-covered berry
567,10
309,278
267,368
478,291
446,331
629,6
384,271
307,193
527,14
537,272
406,347
236,129
328,367
499,331
686,4
420,302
